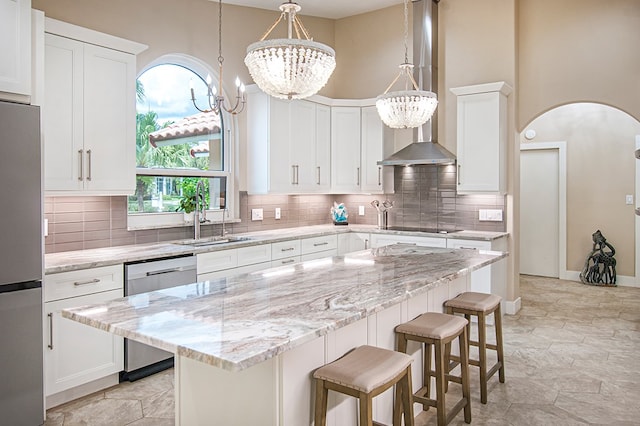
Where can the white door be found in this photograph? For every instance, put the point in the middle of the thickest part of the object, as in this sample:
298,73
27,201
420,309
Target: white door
539,212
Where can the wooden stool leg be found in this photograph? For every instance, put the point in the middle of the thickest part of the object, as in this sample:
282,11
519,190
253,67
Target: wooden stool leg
320,418
440,393
497,319
447,363
407,398
398,406
463,339
366,410
426,373
482,349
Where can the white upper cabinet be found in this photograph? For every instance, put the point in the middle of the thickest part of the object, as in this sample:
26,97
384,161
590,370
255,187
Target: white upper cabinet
482,138
15,49
345,149
89,113
288,145
372,149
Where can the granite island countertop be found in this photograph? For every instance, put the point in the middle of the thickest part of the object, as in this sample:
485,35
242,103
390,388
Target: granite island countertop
237,322
92,258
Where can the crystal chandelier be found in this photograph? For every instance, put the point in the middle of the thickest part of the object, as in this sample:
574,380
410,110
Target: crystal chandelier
290,68
216,101
410,107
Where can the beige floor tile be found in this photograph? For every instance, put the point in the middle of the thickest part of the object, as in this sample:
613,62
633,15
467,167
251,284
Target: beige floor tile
571,358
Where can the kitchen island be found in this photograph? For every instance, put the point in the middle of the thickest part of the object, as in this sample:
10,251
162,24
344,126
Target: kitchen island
246,346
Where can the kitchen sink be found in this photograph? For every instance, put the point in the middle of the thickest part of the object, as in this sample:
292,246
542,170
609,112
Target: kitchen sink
210,241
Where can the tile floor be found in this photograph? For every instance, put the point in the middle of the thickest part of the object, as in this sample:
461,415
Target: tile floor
571,359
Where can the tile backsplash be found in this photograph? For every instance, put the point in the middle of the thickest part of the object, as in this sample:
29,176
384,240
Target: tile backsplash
425,196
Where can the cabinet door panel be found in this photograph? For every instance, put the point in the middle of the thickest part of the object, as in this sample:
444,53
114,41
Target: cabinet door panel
323,148
345,149
280,171
109,120
302,148
62,114
372,150
15,46
76,353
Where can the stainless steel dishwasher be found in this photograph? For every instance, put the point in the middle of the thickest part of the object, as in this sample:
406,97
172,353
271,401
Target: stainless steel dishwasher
141,277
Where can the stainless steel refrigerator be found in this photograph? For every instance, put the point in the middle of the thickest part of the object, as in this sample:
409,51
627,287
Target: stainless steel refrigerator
21,254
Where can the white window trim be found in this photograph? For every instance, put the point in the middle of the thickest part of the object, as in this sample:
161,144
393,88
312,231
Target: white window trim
139,221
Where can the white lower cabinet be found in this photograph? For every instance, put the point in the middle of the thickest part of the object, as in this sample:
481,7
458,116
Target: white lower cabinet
353,241
492,278
224,263
76,354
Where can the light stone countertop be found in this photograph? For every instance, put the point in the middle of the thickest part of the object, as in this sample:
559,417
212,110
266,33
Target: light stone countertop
237,322
86,259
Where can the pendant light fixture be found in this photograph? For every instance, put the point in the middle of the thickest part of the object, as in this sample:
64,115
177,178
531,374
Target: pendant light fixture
410,107
216,100
291,68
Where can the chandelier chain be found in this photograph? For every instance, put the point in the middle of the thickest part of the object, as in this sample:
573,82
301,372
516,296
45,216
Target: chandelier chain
406,32
220,58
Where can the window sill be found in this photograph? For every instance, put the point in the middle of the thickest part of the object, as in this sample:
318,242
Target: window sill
141,221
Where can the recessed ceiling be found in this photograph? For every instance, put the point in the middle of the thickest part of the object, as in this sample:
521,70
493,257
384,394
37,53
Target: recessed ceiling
333,9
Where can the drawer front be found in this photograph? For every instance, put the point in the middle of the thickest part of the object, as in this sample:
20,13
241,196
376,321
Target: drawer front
217,260
316,244
380,240
319,255
232,272
254,254
285,261
468,244
86,281
285,249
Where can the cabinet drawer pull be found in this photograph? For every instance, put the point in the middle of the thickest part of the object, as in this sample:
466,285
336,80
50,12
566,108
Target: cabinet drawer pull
320,244
81,165
467,248
288,249
358,176
366,244
459,179
93,281
379,176
285,262
89,164
293,174
318,181
50,316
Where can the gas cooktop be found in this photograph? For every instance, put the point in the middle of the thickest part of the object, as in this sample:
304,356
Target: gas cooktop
420,229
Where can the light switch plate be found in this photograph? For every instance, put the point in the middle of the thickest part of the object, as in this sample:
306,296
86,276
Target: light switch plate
257,214
361,210
490,215
629,199
278,213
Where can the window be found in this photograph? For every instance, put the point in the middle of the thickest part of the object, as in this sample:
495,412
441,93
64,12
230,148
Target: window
176,146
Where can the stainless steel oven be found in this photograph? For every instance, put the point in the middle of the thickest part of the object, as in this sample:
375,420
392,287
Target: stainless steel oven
142,360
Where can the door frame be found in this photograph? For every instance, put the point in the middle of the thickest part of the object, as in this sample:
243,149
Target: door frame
637,222
561,146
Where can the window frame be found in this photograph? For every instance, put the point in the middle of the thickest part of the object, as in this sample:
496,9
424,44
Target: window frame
176,219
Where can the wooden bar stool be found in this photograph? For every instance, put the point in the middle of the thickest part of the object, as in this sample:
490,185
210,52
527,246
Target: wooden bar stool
481,305
363,373
439,330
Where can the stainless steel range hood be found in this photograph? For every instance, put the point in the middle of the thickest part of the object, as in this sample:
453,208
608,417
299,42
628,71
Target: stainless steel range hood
425,149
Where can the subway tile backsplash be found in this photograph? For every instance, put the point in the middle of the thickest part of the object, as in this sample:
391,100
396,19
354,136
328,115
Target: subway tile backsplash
425,196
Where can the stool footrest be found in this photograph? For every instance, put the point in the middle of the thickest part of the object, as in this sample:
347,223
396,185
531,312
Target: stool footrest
493,370
420,397
491,346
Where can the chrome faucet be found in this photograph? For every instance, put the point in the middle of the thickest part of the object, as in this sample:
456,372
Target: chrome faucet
201,208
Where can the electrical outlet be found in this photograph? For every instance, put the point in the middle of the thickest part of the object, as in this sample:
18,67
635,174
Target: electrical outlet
278,213
361,210
257,214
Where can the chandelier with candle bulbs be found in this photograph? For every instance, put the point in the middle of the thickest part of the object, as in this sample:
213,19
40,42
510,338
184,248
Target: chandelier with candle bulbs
216,100
410,107
290,68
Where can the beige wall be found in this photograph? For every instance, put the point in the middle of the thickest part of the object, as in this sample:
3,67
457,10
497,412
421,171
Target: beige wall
578,51
600,143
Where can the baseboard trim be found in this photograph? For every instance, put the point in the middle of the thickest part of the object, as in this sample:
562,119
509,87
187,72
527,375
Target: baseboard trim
513,306
79,391
621,280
